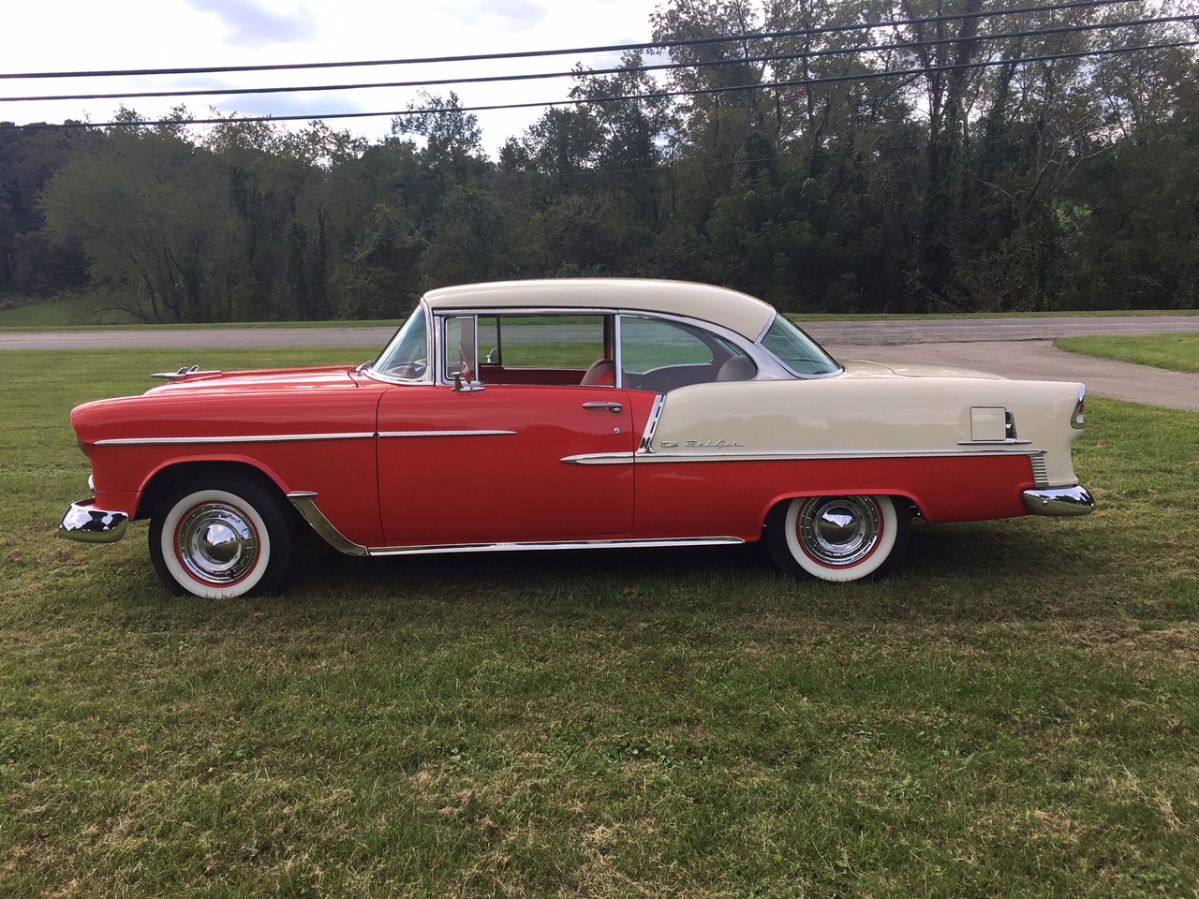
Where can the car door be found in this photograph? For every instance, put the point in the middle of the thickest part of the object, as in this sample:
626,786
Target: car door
497,463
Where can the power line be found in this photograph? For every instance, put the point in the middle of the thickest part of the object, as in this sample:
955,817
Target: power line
656,95
619,70
570,51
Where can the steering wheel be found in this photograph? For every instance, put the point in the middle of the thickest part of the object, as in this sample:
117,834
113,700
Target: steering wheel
409,370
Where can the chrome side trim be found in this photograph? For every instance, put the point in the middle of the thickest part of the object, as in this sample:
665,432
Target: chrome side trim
1006,441
233,438
390,434
1060,501
600,459
87,524
647,440
826,454
305,503
814,455
536,545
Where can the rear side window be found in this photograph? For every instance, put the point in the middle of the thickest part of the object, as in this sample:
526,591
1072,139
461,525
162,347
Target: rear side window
661,355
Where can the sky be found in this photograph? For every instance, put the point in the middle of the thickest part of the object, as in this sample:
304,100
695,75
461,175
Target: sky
72,35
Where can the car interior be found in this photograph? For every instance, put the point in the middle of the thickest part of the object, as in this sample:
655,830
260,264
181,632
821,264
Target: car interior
579,349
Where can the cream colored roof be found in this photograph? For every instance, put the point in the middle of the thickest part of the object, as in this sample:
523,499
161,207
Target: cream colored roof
736,311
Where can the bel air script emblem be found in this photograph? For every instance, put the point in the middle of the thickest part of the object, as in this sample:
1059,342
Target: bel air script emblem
703,444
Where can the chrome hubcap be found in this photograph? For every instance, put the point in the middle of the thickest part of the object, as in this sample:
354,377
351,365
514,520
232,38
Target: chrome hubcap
839,530
217,543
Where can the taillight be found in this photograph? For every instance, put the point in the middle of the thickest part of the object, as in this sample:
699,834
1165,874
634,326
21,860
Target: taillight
1079,418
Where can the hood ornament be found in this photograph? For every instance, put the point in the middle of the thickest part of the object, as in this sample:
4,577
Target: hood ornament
185,372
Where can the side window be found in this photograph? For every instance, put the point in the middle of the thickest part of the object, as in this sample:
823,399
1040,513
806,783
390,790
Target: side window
663,355
552,348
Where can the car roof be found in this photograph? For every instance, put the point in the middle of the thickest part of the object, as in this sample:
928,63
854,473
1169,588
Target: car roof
730,309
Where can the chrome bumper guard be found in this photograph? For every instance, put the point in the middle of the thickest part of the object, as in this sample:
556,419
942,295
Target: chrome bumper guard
1059,501
87,524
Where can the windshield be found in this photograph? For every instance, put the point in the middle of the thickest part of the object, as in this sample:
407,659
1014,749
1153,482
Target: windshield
797,350
406,357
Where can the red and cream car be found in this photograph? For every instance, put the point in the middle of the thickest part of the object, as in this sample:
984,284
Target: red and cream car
572,414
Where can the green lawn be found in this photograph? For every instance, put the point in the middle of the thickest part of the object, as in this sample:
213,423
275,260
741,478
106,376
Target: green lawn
1016,714
1178,352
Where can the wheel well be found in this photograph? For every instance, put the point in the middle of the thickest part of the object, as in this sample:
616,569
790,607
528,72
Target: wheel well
900,499
172,477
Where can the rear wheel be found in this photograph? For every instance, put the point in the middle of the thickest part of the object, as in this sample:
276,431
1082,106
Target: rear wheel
838,538
229,538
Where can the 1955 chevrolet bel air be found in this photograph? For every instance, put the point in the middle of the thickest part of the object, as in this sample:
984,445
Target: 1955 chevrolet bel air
571,414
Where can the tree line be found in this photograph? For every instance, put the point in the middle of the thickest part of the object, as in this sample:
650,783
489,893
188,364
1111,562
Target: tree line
1062,184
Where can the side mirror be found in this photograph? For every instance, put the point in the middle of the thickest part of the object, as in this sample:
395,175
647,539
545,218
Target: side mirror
466,386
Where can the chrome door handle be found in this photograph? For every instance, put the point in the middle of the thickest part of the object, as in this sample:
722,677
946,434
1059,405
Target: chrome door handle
614,408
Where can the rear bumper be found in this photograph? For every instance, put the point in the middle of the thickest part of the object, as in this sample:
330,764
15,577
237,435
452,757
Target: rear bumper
87,524
1059,501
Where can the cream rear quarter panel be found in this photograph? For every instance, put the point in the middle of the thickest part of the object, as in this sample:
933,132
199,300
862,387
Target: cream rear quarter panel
847,414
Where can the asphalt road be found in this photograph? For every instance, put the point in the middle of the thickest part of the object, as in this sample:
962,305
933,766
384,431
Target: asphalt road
1017,348
1040,360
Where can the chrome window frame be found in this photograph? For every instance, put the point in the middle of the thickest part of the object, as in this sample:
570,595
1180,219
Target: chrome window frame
443,321
770,368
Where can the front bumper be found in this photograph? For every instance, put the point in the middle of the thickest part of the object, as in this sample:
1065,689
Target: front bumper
1059,501
87,524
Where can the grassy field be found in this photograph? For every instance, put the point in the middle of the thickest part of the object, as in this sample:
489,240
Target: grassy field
1016,714
1178,352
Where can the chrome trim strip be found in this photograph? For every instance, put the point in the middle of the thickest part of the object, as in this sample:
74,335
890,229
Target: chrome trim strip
617,353
305,503
814,455
535,545
1005,441
600,459
1060,501
647,440
390,434
87,524
237,438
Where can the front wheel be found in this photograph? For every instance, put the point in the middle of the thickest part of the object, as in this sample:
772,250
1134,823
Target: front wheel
227,539
838,538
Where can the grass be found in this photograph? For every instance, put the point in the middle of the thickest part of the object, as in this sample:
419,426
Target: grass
1177,352
1015,714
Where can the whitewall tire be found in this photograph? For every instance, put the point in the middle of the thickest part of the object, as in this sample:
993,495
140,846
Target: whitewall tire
838,538
229,538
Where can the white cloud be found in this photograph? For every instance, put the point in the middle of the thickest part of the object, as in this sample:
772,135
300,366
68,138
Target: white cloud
126,34
252,24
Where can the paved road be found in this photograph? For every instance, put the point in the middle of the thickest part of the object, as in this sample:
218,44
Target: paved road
858,333
1041,360
892,332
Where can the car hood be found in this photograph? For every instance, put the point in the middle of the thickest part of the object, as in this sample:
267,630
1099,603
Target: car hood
267,379
866,369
